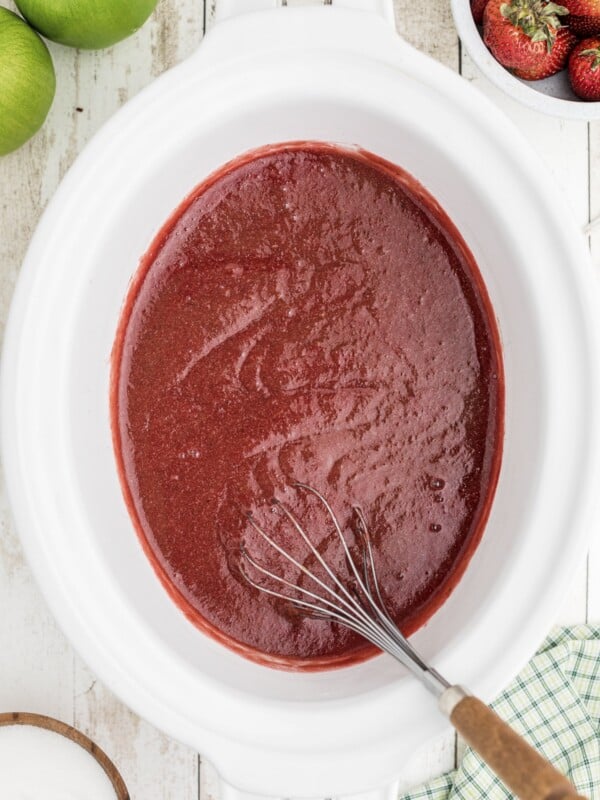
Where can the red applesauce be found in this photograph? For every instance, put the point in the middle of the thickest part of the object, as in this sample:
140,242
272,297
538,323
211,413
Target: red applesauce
308,314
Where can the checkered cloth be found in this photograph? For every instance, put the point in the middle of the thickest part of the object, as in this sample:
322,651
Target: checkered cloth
555,704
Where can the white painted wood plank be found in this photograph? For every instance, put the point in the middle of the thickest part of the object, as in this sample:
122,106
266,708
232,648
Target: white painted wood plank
209,781
430,28
36,668
210,13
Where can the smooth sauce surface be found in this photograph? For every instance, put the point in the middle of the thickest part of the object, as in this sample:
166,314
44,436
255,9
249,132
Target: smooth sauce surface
307,314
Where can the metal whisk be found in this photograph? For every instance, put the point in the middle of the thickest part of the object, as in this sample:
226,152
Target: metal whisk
357,604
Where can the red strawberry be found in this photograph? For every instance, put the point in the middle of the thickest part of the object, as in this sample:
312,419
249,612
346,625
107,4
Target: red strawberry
584,69
477,9
552,62
527,36
584,16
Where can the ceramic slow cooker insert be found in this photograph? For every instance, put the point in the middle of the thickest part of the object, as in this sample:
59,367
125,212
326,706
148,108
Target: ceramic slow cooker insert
335,73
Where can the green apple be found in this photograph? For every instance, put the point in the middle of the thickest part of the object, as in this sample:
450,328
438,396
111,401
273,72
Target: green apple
88,24
27,82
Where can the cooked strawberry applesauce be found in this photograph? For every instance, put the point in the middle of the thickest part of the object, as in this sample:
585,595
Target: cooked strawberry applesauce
309,313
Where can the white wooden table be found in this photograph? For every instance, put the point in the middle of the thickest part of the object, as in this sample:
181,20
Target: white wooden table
39,671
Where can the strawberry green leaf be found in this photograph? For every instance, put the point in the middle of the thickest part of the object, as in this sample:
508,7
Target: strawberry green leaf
593,53
538,19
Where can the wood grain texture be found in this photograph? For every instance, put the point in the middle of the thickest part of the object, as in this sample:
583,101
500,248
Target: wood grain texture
36,668
524,771
39,670
428,26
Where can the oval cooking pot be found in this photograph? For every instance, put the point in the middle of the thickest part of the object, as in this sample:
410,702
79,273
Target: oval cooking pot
340,75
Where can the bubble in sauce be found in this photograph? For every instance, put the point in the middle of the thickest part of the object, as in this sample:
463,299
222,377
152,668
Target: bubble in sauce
436,484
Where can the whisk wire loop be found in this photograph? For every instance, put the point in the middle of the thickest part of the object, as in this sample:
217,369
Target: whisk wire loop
360,608
370,572
364,626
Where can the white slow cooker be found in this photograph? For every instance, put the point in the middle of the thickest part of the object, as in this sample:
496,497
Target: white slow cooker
337,73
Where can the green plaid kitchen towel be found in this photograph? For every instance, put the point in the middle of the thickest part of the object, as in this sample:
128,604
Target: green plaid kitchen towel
555,703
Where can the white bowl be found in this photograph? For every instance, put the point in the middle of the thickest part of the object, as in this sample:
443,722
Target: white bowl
551,96
335,75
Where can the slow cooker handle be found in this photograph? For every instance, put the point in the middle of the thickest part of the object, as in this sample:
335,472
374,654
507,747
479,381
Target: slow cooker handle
388,792
230,8
515,761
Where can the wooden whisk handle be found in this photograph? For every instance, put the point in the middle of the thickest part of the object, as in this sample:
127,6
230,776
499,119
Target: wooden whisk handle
526,773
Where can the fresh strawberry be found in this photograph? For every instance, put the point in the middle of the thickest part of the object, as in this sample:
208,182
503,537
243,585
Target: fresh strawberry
552,62
584,16
528,36
584,69
477,9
